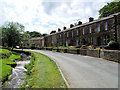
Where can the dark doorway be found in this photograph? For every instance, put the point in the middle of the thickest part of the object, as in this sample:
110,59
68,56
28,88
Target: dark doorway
83,41
98,41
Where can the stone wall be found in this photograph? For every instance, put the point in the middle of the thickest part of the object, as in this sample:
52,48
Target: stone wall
83,51
112,55
73,51
93,53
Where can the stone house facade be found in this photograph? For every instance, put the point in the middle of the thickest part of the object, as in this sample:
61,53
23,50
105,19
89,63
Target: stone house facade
95,32
38,41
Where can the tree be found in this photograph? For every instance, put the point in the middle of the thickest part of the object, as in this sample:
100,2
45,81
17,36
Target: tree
109,9
52,32
44,34
26,36
35,34
11,34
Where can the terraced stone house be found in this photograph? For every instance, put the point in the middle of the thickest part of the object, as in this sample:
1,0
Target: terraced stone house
95,32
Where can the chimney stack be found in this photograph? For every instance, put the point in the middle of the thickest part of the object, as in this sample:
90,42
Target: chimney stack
71,25
64,28
59,29
91,19
79,23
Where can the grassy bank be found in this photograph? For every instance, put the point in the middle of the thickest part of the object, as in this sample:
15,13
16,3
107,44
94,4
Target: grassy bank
7,63
42,73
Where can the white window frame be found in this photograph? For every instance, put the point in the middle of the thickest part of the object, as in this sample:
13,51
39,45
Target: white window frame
90,30
67,34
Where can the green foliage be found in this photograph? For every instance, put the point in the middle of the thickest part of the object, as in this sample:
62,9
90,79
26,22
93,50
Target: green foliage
44,74
32,46
4,51
91,47
26,36
34,34
83,47
113,45
7,71
109,9
11,34
111,42
30,65
6,64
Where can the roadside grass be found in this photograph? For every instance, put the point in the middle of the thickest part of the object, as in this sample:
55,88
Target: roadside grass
3,51
43,74
7,63
54,51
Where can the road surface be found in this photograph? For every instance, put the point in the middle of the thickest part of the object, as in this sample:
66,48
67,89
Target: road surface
84,71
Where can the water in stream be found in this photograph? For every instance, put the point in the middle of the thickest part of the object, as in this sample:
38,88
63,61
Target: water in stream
18,74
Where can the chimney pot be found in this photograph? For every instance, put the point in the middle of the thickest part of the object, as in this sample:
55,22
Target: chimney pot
71,25
64,28
91,19
79,23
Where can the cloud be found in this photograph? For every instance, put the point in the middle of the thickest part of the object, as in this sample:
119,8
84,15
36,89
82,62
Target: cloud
45,16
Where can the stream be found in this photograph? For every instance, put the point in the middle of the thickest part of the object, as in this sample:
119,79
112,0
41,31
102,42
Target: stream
18,73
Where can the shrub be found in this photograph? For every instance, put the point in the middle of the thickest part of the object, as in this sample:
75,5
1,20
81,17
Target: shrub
113,45
91,47
30,65
83,47
32,46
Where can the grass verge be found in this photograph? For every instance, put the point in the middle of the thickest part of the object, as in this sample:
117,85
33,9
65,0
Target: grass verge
43,73
6,64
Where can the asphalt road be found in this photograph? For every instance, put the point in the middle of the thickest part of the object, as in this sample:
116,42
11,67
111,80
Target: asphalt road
84,71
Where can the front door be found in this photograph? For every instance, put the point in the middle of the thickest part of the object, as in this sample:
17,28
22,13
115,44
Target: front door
98,41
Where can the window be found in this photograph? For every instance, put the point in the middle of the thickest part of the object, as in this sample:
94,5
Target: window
91,40
67,34
77,42
77,31
90,31
106,25
98,27
83,31
60,35
106,39
72,33
66,43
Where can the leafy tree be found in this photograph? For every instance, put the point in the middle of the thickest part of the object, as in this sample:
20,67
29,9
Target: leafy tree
26,36
52,32
34,34
44,34
11,34
109,9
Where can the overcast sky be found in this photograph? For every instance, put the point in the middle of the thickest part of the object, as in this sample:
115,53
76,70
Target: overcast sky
47,15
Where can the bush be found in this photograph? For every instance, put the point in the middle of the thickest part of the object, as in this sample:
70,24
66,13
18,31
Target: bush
30,65
83,47
91,47
113,45
32,46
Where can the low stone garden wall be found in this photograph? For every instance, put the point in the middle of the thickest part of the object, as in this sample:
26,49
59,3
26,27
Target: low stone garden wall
112,55
93,53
